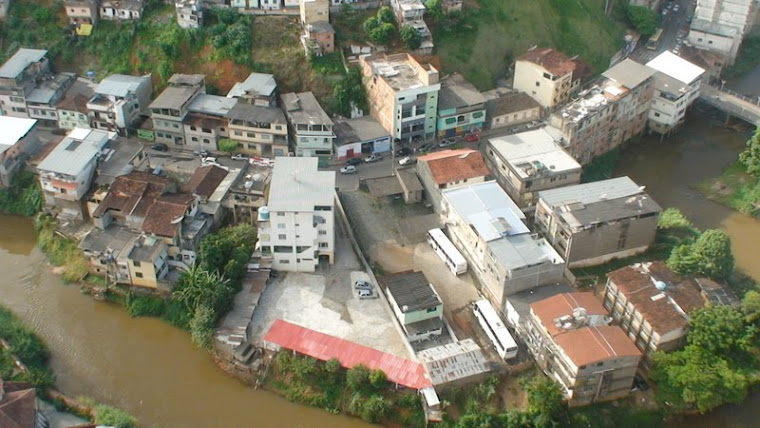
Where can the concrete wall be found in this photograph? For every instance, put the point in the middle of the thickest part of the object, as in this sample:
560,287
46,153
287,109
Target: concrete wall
529,78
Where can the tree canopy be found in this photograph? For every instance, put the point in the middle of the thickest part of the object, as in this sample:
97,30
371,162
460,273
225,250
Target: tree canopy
227,145
410,36
434,9
750,157
643,19
710,255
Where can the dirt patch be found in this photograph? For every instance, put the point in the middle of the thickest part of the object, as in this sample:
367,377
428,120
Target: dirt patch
511,394
222,74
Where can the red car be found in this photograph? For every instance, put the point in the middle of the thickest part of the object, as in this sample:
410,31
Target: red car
471,138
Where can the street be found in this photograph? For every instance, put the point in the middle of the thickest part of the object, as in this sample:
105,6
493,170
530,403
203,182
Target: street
675,25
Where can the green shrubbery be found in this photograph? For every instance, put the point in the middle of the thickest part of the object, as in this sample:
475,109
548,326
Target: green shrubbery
113,417
24,344
61,251
23,196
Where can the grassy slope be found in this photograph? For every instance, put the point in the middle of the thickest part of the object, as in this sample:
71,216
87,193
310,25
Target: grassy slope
736,189
493,32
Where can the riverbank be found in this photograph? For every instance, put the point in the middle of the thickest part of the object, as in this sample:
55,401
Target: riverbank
736,189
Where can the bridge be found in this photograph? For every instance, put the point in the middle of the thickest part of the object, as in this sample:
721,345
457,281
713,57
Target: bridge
738,105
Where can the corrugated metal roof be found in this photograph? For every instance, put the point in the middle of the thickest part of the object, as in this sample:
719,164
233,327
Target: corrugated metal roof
256,84
412,291
304,108
325,347
19,61
75,151
676,67
212,104
297,185
454,361
589,193
488,209
119,85
14,129
629,73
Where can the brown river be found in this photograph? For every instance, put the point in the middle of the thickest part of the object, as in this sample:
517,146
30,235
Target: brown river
153,371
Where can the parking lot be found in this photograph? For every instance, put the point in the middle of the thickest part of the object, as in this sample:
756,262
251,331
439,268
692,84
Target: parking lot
325,301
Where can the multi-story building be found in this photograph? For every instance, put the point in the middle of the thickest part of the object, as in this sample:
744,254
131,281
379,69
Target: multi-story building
608,113
652,305
449,169
461,107
720,25
189,13
571,341
66,172
82,11
408,10
119,101
121,9
318,38
259,131
402,94
488,229
18,78
206,121
528,162
41,102
360,136
415,303
549,76
18,142
512,109
258,89
314,11
297,227
72,108
169,109
592,223
676,87
311,129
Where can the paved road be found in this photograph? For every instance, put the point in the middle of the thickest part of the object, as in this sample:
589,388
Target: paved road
675,26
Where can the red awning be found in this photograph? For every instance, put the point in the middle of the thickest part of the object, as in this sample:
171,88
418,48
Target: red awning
325,347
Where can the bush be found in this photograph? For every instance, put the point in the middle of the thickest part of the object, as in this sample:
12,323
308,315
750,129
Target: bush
227,145
202,326
145,306
643,19
113,417
357,377
378,379
410,36
382,34
672,218
23,196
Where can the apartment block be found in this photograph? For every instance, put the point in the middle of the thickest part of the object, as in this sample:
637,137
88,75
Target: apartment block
297,227
189,13
449,169
119,101
402,94
18,142
169,109
259,131
489,230
549,76
72,108
608,113
528,162
461,107
572,342
311,129
258,89
18,78
592,223
416,304
720,26
206,121
676,87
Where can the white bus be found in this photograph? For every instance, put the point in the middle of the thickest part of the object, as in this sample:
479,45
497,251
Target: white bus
491,322
447,251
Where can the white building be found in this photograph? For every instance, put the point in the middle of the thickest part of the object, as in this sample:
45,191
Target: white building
66,172
676,87
720,25
297,227
189,13
548,76
311,129
489,230
17,143
119,101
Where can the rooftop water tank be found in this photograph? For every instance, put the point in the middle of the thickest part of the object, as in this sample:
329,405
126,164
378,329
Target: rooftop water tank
660,285
264,213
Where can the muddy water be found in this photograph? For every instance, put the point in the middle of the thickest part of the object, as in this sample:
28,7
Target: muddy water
142,365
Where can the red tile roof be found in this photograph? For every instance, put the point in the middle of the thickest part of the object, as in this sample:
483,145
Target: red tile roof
133,194
164,215
449,166
636,283
589,345
554,307
325,347
18,407
555,62
204,181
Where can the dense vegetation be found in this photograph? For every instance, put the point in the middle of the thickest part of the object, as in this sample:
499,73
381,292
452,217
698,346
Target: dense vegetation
600,167
61,251
643,19
23,196
24,344
748,58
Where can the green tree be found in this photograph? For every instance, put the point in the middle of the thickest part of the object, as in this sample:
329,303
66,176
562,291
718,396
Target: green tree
710,255
385,15
434,9
198,287
382,34
750,157
202,326
545,402
111,416
410,36
350,91
227,145
643,19
357,377
681,260
751,306
723,330
378,379
672,218
370,24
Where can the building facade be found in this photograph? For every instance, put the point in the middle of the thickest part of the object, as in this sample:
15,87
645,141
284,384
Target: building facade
82,11
18,141
18,78
512,109
449,169
169,109
189,13
676,87
297,227
461,107
592,223
258,89
415,303
258,131
720,26
72,108
548,76
529,162
402,94
119,101
310,128
122,10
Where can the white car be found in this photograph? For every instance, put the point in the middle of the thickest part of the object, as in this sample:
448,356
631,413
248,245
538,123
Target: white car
239,157
209,161
348,169
406,161
372,158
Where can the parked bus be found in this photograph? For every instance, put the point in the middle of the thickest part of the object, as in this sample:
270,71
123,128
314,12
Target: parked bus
447,251
654,40
491,322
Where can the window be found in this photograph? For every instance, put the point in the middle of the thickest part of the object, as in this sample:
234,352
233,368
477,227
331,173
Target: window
477,114
282,236
450,121
280,214
323,245
238,133
281,225
429,310
139,274
284,261
323,232
137,264
538,84
192,128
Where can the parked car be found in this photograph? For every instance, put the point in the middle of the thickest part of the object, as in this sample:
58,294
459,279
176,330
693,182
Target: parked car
366,294
426,148
446,143
240,157
209,160
273,273
362,285
374,157
203,153
471,138
160,147
407,160
354,161
404,151
348,169
417,138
